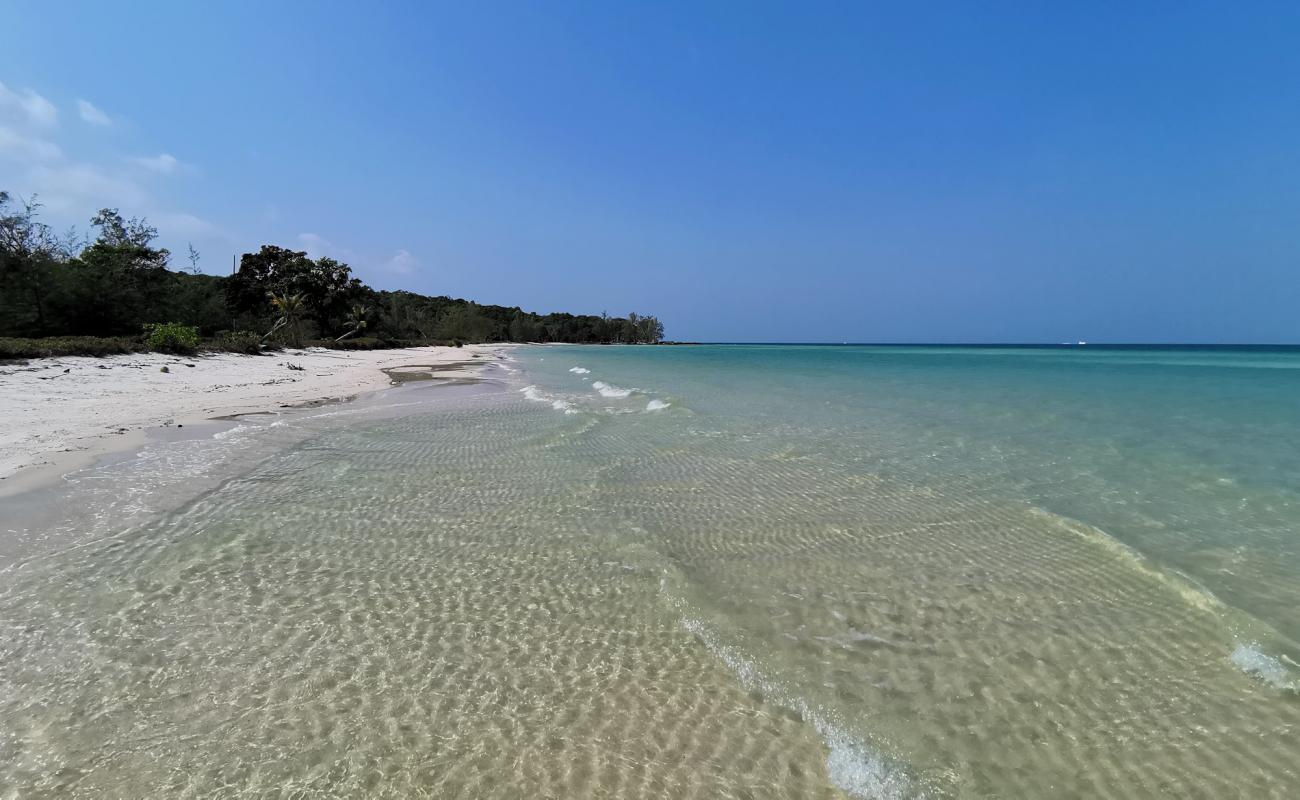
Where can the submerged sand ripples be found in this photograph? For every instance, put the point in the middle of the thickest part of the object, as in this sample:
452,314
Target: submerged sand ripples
498,600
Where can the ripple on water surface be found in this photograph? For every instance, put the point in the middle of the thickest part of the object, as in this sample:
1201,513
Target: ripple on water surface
500,600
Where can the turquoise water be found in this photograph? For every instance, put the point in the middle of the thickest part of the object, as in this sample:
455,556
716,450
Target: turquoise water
1191,456
715,571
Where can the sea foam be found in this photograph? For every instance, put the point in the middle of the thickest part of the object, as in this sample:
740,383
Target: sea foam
1253,661
656,405
851,764
610,390
538,396
1183,585
579,370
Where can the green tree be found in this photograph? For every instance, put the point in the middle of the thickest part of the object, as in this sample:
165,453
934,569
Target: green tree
326,285
524,327
649,330
290,308
357,319
466,321
51,285
121,280
135,234
31,257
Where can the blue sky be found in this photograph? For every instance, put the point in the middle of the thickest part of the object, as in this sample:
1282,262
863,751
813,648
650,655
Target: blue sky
746,171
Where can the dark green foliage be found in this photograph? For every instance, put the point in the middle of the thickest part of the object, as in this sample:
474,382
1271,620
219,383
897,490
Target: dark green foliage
468,323
326,287
32,278
289,310
60,286
357,320
236,342
171,337
51,346
120,282
358,343
52,286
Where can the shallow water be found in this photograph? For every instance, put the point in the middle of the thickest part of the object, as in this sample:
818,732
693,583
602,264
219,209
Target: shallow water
697,572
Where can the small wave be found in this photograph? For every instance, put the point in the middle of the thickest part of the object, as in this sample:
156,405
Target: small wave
850,764
229,432
538,396
858,771
1188,589
656,405
610,390
579,370
1253,661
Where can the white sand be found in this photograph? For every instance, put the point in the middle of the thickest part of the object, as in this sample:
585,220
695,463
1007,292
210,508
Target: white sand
54,410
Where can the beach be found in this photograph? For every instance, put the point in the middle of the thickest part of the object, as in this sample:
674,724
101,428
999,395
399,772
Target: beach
893,573
854,402
62,412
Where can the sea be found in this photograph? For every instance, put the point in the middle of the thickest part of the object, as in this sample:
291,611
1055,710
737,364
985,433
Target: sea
710,571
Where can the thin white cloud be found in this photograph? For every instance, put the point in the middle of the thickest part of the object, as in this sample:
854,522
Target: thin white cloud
402,263
78,187
317,246
70,187
27,149
314,244
27,108
163,163
184,224
91,114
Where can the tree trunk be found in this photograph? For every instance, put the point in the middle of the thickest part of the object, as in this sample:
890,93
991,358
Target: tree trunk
278,325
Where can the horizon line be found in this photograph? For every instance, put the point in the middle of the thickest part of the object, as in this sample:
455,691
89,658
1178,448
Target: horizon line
1072,345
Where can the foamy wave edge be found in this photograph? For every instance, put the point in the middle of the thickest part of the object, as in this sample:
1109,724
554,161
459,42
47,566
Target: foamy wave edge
538,396
610,390
1251,659
1248,655
851,764
1193,593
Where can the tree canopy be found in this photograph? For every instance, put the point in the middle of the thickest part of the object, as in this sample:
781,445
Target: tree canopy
53,285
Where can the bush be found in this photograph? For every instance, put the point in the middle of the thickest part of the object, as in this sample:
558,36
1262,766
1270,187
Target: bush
417,343
245,342
68,346
359,343
375,343
171,337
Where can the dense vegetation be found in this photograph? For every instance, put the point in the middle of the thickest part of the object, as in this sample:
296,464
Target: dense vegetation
119,285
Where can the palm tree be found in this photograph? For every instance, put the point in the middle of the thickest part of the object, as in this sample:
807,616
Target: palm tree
356,319
291,307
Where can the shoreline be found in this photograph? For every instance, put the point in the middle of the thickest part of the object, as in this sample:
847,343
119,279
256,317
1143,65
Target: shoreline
63,413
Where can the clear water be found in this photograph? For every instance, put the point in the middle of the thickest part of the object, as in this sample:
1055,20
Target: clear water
725,571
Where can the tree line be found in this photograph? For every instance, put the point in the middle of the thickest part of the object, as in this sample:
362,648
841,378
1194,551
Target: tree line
120,281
